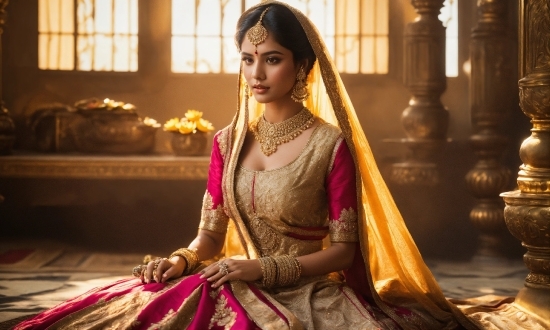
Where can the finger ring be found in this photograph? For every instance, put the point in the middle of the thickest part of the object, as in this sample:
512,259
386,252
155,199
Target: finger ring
136,271
224,269
156,263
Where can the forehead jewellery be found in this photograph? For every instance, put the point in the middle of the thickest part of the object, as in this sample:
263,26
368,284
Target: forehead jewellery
257,34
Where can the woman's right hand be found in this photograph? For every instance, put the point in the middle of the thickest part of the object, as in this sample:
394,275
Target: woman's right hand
163,269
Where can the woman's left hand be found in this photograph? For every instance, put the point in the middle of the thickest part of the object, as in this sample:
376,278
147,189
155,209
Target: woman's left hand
232,269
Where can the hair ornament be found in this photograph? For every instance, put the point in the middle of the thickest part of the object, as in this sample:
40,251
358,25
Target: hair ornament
258,33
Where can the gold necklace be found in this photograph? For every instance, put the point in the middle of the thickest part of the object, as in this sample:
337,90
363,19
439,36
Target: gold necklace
271,135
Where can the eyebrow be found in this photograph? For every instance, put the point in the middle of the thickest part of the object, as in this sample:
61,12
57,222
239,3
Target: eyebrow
265,54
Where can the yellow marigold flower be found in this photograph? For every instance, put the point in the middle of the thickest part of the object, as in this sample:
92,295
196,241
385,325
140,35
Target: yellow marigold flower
204,125
193,115
172,125
186,127
150,122
128,106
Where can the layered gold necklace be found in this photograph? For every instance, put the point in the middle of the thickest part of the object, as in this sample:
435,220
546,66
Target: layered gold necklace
272,135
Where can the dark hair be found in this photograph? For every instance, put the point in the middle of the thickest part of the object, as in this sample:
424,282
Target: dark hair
283,26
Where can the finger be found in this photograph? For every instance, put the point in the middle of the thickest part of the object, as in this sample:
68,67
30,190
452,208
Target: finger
149,272
221,280
214,277
210,271
142,276
162,265
168,274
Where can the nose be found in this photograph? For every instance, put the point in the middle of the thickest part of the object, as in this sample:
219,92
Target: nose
258,71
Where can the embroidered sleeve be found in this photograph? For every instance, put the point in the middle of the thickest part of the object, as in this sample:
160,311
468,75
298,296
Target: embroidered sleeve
213,216
342,196
221,139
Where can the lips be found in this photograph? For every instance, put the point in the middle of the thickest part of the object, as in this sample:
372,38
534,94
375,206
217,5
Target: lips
260,87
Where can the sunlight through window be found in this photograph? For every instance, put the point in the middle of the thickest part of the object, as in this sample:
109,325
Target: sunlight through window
203,30
105,38
449,17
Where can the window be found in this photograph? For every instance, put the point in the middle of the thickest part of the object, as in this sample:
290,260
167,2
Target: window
88,35
102,35
449,17
203,30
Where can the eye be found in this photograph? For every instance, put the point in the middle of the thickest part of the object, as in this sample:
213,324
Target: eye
247,60
272,60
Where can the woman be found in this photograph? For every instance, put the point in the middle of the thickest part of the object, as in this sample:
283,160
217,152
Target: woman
293,168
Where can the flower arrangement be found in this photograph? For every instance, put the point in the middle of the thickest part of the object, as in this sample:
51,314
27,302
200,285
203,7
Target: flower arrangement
190,124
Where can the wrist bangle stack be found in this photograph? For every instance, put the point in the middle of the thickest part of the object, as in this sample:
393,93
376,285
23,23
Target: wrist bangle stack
280,270
269,271
191,258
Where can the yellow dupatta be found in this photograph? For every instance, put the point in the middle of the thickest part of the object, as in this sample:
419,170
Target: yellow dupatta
394,266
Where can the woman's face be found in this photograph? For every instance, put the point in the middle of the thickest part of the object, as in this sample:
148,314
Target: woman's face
270,72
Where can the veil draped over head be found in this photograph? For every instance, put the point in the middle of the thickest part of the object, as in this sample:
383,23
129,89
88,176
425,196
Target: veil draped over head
392,266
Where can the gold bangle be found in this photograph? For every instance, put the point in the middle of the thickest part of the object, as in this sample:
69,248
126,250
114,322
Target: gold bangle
269,271
191,258
289,270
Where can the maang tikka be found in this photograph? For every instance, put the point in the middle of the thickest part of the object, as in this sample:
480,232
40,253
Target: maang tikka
258,33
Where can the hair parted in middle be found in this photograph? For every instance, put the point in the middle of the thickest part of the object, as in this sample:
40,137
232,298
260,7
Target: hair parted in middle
283,26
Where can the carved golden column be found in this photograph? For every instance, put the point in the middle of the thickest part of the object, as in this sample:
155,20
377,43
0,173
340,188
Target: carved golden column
7,128
489,49
426,119
527,211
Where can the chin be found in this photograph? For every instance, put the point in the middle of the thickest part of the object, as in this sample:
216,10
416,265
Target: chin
262,99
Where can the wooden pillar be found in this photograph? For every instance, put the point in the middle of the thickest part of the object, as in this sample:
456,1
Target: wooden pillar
426,119
490,62
7,128
527,211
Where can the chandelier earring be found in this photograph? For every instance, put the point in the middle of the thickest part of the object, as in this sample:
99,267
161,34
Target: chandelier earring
299,91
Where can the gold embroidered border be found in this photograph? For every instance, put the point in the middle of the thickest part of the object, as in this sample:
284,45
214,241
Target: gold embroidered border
334,151
344,229
213,219
222,140
259,312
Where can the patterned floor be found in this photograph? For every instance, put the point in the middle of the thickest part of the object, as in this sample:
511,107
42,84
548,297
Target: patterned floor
38,275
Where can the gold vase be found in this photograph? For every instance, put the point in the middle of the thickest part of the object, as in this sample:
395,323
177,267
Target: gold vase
192,144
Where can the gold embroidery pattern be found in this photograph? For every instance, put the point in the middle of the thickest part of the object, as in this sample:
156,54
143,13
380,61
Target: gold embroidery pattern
214,293
213,219
222,141
264,236
334,151
345,228
166,318
224,315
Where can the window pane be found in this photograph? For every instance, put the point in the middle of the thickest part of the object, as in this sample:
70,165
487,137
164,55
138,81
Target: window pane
202,36
208,55
381,54
232,58
183,54
449,17
55,38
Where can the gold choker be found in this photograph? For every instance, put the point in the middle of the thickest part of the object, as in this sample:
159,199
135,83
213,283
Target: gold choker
271,135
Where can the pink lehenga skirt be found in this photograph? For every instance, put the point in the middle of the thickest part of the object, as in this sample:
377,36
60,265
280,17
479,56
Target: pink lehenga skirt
188,303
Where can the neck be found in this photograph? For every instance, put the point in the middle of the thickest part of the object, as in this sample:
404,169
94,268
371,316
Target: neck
276,112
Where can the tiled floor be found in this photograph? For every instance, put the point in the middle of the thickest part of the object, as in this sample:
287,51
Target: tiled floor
55,273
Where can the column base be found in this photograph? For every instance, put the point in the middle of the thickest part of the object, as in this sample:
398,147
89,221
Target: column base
536,302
